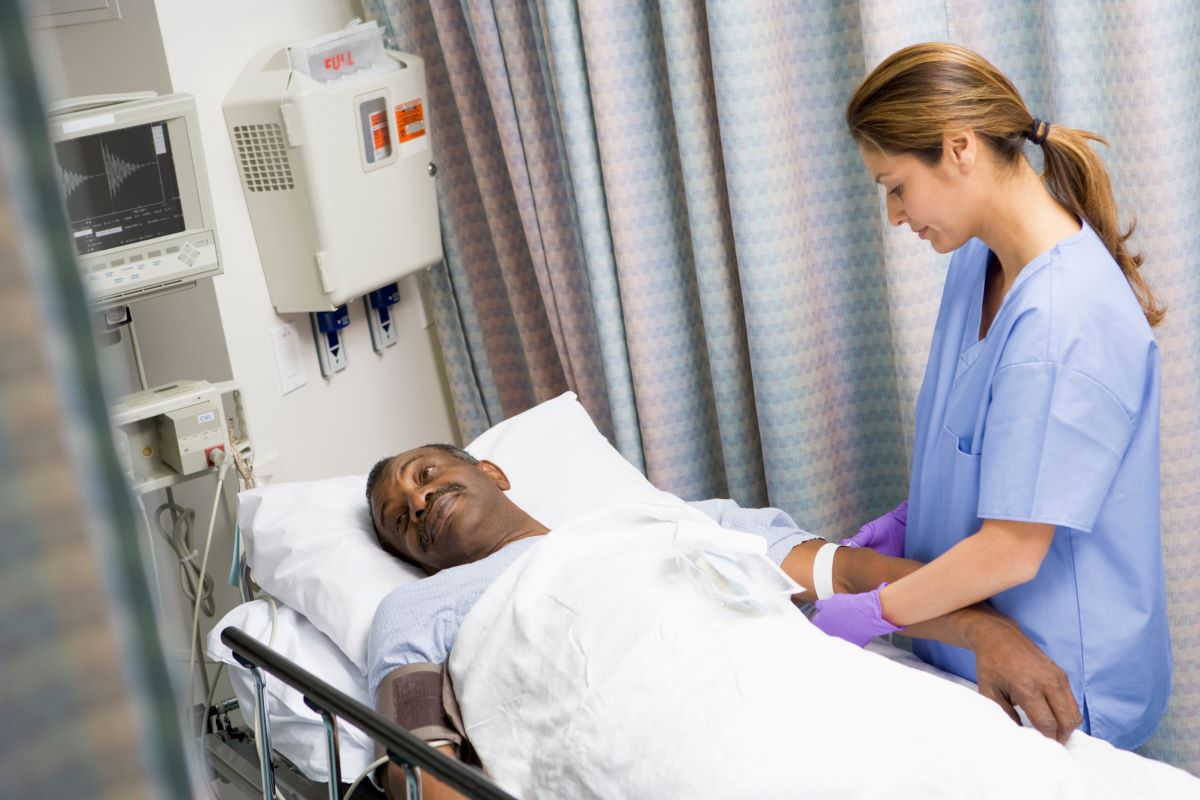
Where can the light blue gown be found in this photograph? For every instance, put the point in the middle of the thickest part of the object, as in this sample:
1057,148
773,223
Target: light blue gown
1053,417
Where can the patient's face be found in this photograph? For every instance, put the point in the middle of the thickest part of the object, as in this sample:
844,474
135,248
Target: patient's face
440,511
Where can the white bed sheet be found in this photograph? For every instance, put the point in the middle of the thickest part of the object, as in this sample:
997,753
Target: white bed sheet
590,669
297,731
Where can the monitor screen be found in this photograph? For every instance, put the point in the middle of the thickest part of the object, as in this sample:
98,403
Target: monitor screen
120,187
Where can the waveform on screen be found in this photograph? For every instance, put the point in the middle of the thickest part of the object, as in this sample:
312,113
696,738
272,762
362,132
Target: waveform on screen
70,180
116,171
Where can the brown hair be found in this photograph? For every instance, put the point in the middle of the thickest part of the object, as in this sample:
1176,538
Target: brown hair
907,102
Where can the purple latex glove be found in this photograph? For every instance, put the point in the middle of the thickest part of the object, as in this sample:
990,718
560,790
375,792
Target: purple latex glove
884,535
857,618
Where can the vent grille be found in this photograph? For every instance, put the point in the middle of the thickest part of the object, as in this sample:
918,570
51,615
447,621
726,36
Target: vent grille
262,154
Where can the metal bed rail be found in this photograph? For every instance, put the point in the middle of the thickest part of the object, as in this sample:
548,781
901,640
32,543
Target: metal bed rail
404,749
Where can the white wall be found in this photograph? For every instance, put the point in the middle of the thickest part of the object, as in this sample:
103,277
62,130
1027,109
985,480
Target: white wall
379,404
105,57
220,329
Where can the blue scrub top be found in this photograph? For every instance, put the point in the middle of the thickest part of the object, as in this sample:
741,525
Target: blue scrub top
1053,417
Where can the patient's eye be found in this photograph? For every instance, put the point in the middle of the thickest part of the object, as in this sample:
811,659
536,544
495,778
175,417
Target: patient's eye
425,474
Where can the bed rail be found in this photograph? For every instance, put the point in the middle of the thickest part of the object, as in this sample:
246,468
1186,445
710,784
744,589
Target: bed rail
402,747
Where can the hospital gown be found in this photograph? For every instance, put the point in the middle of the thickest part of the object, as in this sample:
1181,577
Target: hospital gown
418,622
1053,417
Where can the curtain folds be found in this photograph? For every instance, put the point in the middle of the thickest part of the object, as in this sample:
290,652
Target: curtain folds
655,204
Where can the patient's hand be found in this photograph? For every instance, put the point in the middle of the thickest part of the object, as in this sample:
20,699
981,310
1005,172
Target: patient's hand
1012,671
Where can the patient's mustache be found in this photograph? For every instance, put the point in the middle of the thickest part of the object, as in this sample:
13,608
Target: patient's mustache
430,502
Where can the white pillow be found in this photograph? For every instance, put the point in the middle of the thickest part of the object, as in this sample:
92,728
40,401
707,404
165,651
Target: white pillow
560,466
312,544
297,731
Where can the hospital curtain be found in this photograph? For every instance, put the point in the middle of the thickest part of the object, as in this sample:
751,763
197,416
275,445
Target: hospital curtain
86,708
656,205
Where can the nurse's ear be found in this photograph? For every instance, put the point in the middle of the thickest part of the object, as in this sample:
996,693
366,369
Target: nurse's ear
960,149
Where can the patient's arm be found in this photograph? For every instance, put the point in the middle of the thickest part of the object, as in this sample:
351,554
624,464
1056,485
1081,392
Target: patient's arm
1011,670
394,781
396,786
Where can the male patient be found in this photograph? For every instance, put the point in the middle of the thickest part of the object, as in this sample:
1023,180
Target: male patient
445,511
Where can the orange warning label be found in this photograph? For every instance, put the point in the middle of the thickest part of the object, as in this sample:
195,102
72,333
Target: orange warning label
379,131
410,120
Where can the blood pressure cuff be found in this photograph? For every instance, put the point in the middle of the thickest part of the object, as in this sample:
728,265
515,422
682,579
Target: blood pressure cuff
423,702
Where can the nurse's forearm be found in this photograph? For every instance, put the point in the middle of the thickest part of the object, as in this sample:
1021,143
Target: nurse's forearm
861,570
1002,555
1011,670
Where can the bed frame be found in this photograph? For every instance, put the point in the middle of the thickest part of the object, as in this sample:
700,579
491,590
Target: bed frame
232,759
233,755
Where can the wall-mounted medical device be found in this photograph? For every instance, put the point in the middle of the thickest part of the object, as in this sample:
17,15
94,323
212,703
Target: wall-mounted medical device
327,329
131,171
188,436
170,433
331,141
380,318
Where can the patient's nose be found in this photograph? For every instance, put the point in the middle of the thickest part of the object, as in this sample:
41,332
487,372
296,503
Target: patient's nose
421,504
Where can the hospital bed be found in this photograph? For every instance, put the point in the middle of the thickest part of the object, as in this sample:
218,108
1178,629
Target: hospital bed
404,749
313,552
232,751
311,548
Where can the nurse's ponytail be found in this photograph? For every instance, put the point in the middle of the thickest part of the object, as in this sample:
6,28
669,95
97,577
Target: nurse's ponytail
907,102
1076,177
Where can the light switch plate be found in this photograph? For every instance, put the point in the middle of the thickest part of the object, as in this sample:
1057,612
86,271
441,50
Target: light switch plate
285,343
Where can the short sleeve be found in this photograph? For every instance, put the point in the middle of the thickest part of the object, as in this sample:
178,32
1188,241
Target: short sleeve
409,628
1053,441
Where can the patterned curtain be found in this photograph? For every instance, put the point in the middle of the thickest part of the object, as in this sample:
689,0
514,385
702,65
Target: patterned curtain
656,205
86,707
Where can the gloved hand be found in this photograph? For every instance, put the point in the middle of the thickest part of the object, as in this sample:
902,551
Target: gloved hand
857,618
884,535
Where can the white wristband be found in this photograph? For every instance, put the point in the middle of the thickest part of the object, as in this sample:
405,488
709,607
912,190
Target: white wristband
822,570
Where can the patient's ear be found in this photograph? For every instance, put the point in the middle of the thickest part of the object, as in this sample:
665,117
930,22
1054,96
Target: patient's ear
496,474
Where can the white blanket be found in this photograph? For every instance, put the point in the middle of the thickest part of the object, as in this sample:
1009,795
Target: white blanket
597,665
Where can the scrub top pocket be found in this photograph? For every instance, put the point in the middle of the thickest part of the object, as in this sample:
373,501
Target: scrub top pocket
959,488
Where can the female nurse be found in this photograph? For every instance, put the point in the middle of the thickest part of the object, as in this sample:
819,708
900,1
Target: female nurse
1035,476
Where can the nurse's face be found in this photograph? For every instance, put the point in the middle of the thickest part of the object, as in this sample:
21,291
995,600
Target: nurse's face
935,202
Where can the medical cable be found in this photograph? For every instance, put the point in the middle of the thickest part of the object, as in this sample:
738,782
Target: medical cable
196,586
222,463
374,765
137,351
179,537
245,472
244,469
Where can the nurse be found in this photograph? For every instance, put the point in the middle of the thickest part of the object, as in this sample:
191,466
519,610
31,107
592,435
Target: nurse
1035,476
